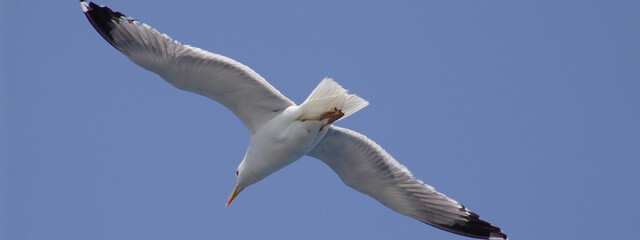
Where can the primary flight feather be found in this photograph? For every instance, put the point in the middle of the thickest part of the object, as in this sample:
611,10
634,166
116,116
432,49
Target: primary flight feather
281,131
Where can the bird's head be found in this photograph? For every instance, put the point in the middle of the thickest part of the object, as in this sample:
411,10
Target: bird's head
245,176
252,169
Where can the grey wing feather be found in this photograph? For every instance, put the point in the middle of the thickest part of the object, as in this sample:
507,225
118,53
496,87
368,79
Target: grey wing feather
365,166
243,91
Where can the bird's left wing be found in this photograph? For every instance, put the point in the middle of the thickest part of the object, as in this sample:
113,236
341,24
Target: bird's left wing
249,96
365,166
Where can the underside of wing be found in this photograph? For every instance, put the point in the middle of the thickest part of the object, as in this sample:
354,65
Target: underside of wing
366,167
249,96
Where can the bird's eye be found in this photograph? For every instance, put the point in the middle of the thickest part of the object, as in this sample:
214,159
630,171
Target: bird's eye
236,173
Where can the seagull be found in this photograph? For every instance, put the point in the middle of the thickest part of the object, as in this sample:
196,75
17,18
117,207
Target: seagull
283,132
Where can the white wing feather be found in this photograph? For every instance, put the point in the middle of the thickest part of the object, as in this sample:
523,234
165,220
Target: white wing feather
249,96
365,166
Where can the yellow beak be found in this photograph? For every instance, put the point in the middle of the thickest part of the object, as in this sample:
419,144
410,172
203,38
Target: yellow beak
233,194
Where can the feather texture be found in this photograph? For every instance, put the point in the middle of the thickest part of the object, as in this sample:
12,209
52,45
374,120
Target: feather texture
364,166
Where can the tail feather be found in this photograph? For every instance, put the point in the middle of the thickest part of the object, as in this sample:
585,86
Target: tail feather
329,95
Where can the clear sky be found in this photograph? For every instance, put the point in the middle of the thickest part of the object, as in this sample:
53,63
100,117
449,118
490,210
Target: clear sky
528,113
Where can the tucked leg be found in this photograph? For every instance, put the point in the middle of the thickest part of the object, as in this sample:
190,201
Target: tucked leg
332,116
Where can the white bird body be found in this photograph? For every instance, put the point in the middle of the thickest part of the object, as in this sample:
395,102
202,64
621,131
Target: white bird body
276,144
281,131
295,131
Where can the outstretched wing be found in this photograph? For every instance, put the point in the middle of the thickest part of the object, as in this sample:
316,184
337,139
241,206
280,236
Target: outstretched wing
249,96
365,166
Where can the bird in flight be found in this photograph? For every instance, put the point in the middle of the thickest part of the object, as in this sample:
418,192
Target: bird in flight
283,132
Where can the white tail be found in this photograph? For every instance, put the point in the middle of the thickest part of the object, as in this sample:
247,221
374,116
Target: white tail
329,95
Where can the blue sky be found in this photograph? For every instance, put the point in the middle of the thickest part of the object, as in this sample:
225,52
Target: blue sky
528,113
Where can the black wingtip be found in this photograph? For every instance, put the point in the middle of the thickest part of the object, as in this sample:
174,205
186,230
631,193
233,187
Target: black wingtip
474,227
478,229
102,18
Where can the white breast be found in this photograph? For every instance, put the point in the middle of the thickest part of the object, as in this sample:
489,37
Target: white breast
282,141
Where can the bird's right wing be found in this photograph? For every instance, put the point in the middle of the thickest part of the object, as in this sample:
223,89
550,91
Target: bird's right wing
365,166
249,96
